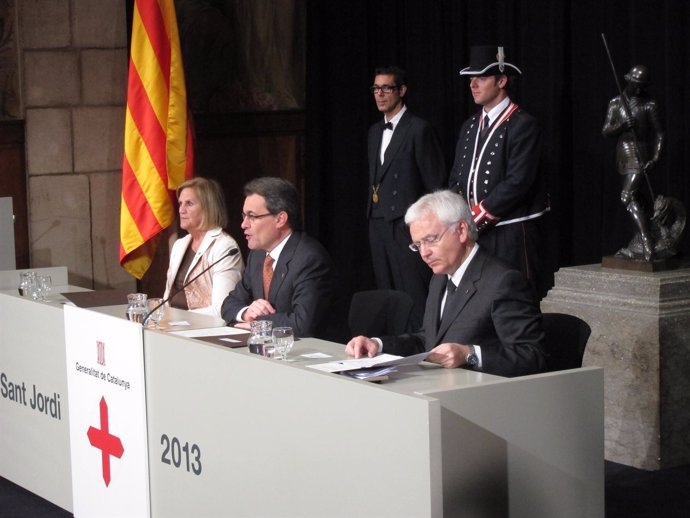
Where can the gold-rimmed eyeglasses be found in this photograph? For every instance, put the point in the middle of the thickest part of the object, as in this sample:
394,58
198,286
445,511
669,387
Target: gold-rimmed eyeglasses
432,240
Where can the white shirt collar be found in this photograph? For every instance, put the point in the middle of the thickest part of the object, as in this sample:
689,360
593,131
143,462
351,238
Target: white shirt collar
394,121
275,253
497,110
457,275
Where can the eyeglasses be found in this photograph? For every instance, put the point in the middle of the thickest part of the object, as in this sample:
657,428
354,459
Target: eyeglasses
416,246
253,217
386,89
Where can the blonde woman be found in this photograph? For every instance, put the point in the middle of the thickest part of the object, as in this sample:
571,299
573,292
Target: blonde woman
203,215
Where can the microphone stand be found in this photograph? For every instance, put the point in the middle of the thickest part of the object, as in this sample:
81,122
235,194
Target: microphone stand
231,252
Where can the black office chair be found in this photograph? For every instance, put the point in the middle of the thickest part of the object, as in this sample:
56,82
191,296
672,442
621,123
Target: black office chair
379,312
566,338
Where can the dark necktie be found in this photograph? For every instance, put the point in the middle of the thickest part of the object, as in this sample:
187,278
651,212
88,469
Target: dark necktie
485,127
268,274
450,291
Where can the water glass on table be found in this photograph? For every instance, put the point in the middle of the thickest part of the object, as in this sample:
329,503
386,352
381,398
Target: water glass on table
157,309
136,307
260,340
44,284
283,338
28,284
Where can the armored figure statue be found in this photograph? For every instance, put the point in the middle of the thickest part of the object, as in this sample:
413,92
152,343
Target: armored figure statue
633,118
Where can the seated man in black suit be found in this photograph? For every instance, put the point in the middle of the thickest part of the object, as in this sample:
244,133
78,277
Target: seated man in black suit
479,313
289,275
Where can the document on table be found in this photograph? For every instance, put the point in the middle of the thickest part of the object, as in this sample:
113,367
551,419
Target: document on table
225,336
210,331
378,362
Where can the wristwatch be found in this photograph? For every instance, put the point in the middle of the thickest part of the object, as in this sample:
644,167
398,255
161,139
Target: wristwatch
471,360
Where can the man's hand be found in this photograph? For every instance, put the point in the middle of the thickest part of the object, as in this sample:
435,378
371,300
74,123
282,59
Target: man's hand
361,346
449,355
256,309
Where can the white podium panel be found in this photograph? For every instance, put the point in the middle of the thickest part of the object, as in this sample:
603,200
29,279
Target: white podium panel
105,374
34,413
235,434
525,447
248,436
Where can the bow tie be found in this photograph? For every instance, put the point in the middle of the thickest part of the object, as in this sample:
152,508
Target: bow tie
388,125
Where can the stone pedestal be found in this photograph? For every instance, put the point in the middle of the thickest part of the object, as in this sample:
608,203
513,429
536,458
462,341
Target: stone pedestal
641,337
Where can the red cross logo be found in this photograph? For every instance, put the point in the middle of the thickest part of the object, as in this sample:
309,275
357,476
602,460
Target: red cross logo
104,441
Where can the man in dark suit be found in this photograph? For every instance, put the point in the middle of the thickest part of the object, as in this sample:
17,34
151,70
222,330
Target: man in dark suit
405,161
289,275
496,166
480,313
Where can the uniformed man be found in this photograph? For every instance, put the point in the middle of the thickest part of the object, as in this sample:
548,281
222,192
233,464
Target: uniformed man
496,166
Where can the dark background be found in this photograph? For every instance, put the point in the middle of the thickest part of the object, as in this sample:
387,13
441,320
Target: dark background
566,84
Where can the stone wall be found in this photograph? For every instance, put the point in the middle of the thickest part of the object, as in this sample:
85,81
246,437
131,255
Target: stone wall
73,63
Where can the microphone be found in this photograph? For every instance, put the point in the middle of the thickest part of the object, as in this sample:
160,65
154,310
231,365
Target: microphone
231,252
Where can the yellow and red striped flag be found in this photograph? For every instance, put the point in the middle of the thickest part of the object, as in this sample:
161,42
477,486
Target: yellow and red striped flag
158,154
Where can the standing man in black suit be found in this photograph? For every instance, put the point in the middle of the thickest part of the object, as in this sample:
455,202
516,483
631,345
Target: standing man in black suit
480,314
289,275
496,166
405,161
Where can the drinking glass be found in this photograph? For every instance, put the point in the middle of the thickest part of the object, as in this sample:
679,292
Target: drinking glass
136,307
27,284
283,338
260,338
157,315
44,283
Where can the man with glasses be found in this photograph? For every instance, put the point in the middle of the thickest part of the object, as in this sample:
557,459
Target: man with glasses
289,275
405,161
496,166
480,313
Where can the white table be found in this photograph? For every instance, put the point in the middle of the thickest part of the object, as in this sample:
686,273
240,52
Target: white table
281,439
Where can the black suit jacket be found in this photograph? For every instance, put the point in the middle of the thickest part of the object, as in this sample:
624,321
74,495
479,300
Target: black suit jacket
413,165
507,178
492,308
301,289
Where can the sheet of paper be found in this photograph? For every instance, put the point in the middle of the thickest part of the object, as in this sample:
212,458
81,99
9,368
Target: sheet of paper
179,323
382,360
209,331
366,374
231,340
316,356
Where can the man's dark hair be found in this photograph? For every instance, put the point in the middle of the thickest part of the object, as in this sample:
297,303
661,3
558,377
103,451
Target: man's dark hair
398,73
280,195
511,80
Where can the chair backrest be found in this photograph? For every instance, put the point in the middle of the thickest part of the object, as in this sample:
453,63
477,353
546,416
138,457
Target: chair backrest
566,338
379,313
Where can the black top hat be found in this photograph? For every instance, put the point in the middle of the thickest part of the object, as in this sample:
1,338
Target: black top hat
488,60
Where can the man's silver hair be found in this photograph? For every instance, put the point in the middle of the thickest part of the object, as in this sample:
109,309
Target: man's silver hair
448,206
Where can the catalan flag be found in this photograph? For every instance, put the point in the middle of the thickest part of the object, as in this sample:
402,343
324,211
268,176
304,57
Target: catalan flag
158,154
